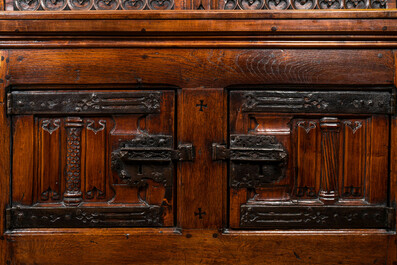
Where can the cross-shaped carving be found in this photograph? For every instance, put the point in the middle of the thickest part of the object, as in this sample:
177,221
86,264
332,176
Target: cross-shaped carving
201,105
200,213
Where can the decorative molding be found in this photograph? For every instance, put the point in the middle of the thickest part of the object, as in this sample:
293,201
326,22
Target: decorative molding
315,217
73,195
309,192
64,217
351,102
94,193
307,125
81,102
91,125
330,128
79,5
354,192
354,126
304,4
49,194
50,125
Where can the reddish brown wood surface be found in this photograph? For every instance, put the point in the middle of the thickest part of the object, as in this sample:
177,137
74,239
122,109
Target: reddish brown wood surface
4,156
198,247
200,54
201,183
227,67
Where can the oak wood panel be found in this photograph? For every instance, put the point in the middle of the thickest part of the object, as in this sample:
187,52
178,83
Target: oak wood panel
227,67
23,160
197,247
379,161
5,156
198,27
201,183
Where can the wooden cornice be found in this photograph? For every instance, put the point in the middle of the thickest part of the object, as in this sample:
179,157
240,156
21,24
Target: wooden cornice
298,29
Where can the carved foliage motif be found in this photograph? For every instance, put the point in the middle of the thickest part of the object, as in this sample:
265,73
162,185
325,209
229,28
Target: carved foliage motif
82,102
50,125
304,4
58,5
316,101
26,217
314,217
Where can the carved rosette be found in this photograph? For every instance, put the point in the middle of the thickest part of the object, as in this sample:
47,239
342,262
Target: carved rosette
27,5
379,4
73,195
160,4
356,4
251,4
330,4
80,4
277,4
303,4
133,4
106,4
53,5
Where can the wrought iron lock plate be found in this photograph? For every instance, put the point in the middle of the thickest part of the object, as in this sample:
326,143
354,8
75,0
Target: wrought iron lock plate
255,160
149,157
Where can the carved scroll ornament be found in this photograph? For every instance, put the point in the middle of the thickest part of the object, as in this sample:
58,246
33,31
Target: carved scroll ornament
304,4
58,5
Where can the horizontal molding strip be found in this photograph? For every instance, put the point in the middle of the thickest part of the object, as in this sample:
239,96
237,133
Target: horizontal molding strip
69,217
221,43
83,102
349,102
205,14
316,217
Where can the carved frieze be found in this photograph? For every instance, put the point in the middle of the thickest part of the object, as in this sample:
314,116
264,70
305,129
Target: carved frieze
315,217
303,4
79,5
80,102
53,217
369,102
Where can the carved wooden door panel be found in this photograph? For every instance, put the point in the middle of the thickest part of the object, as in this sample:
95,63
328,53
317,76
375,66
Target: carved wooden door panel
93,158
308,158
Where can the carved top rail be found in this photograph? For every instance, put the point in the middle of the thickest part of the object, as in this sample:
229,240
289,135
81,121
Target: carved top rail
84,5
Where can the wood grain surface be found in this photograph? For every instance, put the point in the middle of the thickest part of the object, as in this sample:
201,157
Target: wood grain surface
227,67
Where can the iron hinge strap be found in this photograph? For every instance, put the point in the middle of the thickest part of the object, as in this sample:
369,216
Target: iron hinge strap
391,214
220,152
184,152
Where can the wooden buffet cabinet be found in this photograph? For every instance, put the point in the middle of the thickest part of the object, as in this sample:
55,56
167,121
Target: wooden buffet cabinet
198,135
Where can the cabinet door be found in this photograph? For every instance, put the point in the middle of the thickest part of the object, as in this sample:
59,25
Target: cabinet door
309,159
92,158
